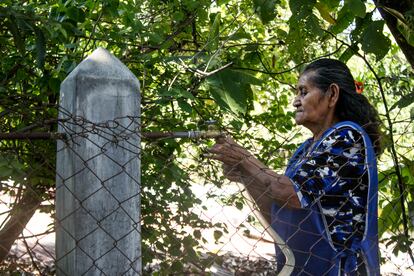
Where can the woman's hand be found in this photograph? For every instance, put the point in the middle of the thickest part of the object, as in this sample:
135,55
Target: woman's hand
229,152
233,157
263,184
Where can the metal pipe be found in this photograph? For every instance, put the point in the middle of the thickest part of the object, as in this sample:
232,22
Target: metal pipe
146,135
183,134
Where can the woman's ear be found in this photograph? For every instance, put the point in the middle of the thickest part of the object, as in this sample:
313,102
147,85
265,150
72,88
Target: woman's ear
334,95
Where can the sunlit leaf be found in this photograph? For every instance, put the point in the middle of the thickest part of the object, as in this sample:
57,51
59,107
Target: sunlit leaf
324,12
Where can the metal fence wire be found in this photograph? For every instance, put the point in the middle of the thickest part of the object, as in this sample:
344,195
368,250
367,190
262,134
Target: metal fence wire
192,220
98,184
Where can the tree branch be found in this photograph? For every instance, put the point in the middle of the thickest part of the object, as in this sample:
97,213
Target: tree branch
20,215
391,21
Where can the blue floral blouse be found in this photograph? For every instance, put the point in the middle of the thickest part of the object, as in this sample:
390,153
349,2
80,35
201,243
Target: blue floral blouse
335,176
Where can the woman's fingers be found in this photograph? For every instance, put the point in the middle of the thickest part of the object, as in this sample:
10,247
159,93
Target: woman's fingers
231,154
228,151
225,158
229,148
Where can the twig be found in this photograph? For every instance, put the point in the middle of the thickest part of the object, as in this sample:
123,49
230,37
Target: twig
31,256
47,232
92,33
205,74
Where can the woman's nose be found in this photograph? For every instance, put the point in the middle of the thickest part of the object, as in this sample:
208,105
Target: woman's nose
296,102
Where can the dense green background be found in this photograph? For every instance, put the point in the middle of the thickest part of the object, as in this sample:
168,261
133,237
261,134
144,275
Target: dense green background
232,61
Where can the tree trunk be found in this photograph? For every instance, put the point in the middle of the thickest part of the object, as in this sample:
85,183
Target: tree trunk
401,6
20,215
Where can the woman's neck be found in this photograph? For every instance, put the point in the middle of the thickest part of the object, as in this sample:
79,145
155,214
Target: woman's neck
318,130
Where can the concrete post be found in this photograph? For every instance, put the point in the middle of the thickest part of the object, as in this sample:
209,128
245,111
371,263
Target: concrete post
98,170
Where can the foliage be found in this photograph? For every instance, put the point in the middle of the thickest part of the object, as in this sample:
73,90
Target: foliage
196,60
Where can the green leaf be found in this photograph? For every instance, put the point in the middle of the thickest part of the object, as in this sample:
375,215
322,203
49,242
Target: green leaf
266,9
75,14
222,2
5,172
343,20
389,218
17,38
406,31
298,6
356,7
40,48
231,89
217,235
404,101
312,23
349,52
110,8
178,16
225,100
408,170
62,30
324,12
296,45
240,34
330,4
186,94
197,234
54,84
374,41
248,78
175,251
191,255
361,24
177,266
214,34
185,106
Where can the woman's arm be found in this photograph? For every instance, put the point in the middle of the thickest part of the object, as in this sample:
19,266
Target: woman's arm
264,185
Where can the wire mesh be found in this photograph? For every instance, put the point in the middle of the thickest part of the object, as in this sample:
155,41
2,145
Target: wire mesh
97,196
193,219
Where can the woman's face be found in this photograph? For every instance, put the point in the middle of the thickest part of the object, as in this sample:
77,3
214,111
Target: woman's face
311,104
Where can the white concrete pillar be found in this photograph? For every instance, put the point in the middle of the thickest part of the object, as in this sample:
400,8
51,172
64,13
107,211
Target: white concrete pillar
98,170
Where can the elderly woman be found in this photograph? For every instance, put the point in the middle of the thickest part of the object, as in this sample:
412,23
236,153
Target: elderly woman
325,205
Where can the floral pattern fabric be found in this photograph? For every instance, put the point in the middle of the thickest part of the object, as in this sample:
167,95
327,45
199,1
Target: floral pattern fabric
334,175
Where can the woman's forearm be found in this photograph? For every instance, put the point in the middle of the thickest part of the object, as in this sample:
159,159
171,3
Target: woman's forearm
264,185
267,187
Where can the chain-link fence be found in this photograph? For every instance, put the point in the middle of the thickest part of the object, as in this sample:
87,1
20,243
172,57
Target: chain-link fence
218,232
126,201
